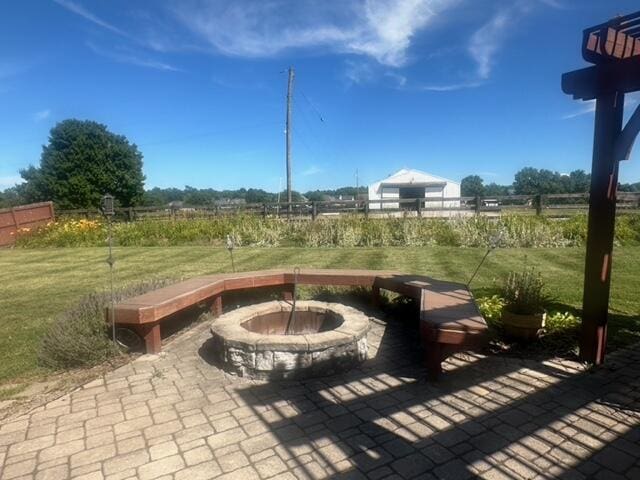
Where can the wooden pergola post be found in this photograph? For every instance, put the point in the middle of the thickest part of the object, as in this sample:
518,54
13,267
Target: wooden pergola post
600,230
614,48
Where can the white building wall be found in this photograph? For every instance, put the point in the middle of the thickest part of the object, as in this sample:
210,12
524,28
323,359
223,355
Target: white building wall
377,191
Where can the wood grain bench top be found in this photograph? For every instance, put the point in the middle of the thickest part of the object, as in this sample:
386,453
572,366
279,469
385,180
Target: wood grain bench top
451,306
443,304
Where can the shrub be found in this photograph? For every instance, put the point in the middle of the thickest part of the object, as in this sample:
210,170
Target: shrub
80,337
513,231
491,308
64,233
524,292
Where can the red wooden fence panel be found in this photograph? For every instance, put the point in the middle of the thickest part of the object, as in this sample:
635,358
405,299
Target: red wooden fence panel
24,216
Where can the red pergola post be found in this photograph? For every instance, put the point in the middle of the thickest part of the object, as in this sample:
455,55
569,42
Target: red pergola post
614,49
602,215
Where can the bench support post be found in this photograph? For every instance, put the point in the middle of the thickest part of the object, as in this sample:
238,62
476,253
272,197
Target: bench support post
433,360
216,306
152,340
376,299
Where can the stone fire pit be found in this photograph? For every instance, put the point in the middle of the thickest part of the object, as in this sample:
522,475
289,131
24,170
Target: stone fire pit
263,341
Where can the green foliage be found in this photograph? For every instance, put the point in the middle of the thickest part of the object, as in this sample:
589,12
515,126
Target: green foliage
81,337
491,308
524,292
82,162
531,181
560,335
628,229
472,186
629,187
345,231
11,197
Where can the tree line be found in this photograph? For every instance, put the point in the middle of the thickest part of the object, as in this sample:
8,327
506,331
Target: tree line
533,181
83,160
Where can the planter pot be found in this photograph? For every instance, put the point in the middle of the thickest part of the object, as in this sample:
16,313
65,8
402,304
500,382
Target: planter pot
523,327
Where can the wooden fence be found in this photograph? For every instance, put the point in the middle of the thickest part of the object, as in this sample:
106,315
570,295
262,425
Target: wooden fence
557,205
24,216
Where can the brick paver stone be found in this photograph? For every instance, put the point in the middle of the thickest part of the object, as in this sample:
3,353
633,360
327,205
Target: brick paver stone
176,416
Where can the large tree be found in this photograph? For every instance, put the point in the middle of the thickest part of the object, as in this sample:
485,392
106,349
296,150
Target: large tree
472,186
81,163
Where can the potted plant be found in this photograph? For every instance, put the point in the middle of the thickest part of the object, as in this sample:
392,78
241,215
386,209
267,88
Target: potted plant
523,315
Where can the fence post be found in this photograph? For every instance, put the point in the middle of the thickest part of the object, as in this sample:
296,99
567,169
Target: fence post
264,210
314,210
366,209
419,207
130,214
478,205
15,220
538,204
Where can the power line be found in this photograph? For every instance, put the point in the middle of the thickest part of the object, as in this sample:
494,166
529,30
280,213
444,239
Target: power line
312,106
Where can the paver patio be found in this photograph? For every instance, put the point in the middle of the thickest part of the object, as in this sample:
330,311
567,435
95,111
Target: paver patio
176,416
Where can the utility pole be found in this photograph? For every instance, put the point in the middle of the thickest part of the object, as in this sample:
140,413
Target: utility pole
288,131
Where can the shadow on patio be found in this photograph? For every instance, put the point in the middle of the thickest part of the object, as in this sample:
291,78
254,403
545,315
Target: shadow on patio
492,417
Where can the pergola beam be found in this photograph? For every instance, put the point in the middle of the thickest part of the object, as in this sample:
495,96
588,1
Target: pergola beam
628,136
592,82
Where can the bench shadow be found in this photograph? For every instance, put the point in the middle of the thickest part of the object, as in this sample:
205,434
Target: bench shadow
506,419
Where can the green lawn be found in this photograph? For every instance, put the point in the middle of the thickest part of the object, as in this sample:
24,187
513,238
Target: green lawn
35,285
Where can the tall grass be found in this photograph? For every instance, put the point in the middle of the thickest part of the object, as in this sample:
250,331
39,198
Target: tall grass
345,231
81,337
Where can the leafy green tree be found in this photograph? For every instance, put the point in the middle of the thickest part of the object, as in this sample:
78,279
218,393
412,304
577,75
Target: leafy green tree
630,187
531,181
577,181
495,190
472,186
256,195
11,197
82,162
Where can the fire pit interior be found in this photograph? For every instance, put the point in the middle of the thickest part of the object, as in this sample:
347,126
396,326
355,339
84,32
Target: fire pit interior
303,322
268,341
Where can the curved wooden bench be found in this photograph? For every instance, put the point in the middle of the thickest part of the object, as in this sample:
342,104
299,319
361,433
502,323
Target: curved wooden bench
449,318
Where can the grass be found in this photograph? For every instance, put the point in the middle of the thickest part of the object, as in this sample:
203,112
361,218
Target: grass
36,285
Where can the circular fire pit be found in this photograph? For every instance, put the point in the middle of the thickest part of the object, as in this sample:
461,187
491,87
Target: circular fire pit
267,341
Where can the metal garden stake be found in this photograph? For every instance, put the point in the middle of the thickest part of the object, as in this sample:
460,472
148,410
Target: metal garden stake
292,317
494,242
230,247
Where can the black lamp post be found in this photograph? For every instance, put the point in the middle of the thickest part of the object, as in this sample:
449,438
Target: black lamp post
108,210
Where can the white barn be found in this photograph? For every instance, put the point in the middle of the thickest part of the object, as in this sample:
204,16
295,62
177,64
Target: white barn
409,183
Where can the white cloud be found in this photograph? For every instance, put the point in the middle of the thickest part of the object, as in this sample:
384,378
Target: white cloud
87,15
42,115
486,42
588,107
379,29
125,56
312,170
452,87
9,181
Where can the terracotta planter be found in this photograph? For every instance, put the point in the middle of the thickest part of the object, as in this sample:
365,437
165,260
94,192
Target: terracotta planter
523,327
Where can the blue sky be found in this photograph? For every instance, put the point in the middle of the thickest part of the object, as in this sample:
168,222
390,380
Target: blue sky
452,87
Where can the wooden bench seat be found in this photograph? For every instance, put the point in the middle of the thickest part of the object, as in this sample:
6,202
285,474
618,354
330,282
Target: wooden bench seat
449,318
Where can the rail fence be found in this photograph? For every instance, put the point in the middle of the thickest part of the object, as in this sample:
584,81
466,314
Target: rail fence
556,205
24,216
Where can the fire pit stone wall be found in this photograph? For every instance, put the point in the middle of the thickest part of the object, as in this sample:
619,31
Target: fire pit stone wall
333,339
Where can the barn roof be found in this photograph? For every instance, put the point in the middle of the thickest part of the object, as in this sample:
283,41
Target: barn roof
409,176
